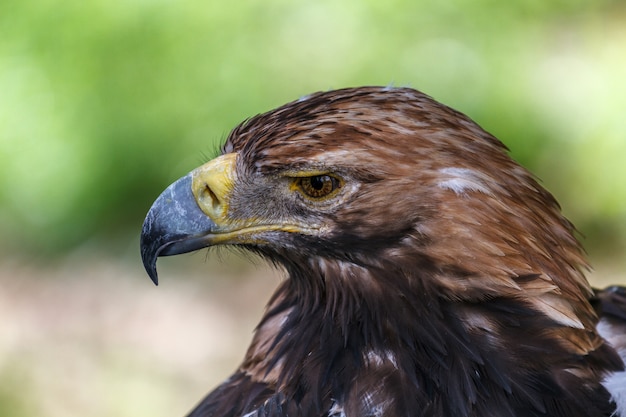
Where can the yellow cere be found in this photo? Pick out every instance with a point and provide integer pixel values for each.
(212, 183)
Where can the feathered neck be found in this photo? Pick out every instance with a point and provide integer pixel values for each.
(338, 332)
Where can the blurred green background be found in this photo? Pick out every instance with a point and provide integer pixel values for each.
(104, 103)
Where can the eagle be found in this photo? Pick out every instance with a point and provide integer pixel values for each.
(427, 273)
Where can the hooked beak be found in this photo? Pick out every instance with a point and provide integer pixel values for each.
(174, 225)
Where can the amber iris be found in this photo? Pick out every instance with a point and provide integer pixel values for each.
(318, 186)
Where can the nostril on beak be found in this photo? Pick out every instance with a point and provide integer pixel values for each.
(209, 199)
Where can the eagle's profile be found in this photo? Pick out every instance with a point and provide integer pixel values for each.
(428, 274)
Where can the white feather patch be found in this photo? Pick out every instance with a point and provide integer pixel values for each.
(379, 358)
(371, 407)
(615, 383)
(336, 410)
(464, 180)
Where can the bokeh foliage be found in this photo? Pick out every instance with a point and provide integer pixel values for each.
(104, 103)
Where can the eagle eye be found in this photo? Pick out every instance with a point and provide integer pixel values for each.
(318, 186)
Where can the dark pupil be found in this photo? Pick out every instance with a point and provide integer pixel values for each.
(318, 182)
